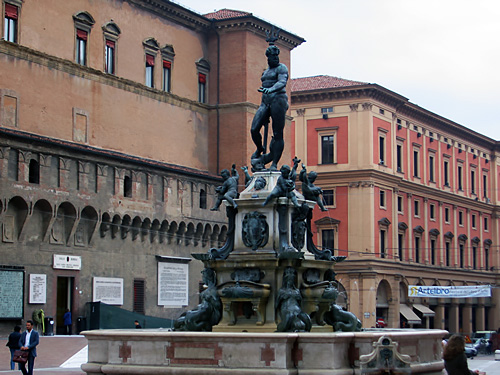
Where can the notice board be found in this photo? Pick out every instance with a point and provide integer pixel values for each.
(11, 294)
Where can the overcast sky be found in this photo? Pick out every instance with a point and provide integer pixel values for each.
(443, 55)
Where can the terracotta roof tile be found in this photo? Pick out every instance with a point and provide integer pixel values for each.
(225, 14)
(321, 82)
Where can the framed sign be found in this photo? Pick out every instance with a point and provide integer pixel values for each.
(173, 284)
(38, 289)
(67, 262)
(108, 290)
(11, 294)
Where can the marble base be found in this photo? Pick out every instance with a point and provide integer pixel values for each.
(163, 352)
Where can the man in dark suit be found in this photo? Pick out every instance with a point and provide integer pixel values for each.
(28, 341)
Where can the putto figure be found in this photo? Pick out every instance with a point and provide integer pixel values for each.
(310, 191)
(229, 189)
(285, 185)
(273, 106)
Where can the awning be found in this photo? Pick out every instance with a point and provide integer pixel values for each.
(409, 315)
(424, 310)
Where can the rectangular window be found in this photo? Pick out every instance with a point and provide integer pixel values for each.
(432, 211)
(446, 173)
(461, 255)
(460, 218)
(447, 253)
(327, 110)
(416, 210)
(473, 182)
(150, 64)
(10, 23)
(382, 243)
(81, 47)
(486, 224)
(417, 249)
(382, 198)
(110, 56)
(485, 186)
(400, 245)
(328, 197)
(459, 177)
(446, 214)
(328, 239)
(139, 296)
(433, 251)
(474, 255)
(167, 71)
(399, 158)
(415, 163)
(431, 168)
(473, 221)
(202, 88)
(400, 204)
(381, 149)
(486, 258)
(327, 149)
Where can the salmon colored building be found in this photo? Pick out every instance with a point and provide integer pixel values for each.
(116, 117)
(413, 200)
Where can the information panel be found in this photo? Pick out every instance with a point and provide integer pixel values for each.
(38, 288)
(11, 294)
(173, 286)
(108, 290)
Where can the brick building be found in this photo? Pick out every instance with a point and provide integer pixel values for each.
(413, 200)
(115, 118)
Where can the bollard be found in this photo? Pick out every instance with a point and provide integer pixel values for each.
(497, 355)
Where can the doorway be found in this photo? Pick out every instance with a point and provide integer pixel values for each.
(64, 302)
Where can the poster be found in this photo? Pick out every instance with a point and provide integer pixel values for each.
(38, 289)
(11, 294)
(108, 290)
(173, 284)
(449, 291)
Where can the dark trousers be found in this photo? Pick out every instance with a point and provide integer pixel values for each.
(12, 363)
(68, 329)
(31, 365)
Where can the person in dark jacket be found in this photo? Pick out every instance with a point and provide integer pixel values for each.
(13, 345)
(28, 341)
(455, 360)
(67, 322)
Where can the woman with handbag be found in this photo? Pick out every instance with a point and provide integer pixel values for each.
(13, 345)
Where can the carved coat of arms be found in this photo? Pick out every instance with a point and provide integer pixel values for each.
(255, 231)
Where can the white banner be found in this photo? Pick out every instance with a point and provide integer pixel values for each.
(449, 291)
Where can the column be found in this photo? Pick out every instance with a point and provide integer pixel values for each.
(467, 319)
(453, 318)
(480, 321)
(439, 317)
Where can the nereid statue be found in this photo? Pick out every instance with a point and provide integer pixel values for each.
(228, 190)
(285, 185)
(311, 192)
(208, 313)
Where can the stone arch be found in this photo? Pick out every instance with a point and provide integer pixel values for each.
(145, 228)
(154, 232)
(383, 299)
(403, 291)
(86, 226)
(172, 230)
(40, 221)
(222, 236)
(214, 236)
(125, 226)
(15, 218)
(105, 224)
(181, 232)
(116, 225)
(63, 223)
(163, 235)
(189, 234)
(136, 227)
(206, 235)
(197, 234)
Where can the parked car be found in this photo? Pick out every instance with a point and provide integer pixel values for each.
(470, 351)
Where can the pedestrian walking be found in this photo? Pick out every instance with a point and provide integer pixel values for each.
(28, 341)
(13, 345)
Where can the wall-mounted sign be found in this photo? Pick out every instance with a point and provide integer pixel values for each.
(38, 288)
(11, 294)
(67, 262)
(173, 285)
(108, 290)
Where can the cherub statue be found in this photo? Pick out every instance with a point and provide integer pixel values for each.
(285, 185)
(229, 189)
(311, 192)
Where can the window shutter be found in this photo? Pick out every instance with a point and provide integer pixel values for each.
(81, 34)
(11, 11)
(150, 60)
(167, 64)
(110, 43)
(139, 294)
(202, 78)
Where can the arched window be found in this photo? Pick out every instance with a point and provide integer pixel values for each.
(203, 199)
(34, 172)
(127, 187)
